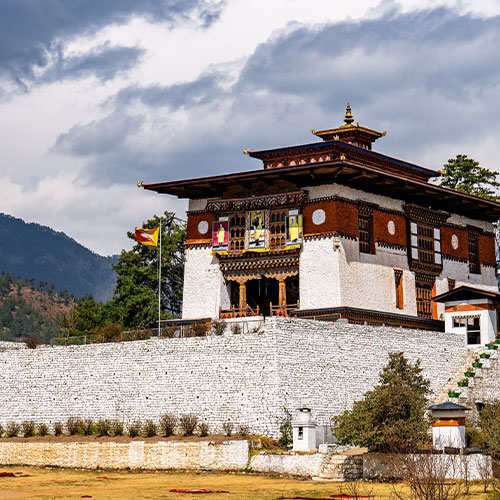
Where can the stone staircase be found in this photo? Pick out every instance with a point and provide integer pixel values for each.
(479, 362)
(341, 468)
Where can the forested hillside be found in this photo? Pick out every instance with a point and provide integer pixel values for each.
(28, 250)
(29, 310)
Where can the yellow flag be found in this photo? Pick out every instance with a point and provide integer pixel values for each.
(147, 236)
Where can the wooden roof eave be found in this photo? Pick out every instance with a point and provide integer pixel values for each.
(368, 179)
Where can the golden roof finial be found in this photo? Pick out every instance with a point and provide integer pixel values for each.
(348, 115)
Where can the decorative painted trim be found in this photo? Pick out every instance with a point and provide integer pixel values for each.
(196, 212)
(360, 316)
(392, 246)
(320, 236)
(421, 214)
(427, 278)
(331, 198)
(453, 258)
(295, 198)
(207, 244)
(489, 264)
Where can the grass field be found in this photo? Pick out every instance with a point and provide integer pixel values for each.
(71, 484)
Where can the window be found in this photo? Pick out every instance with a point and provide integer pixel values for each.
(472, 326)
(277, 228)
(424, 299)
(474, 266)
(365, 228)
(451, 284)
(237, 227)
(398, 281)
(425, 243)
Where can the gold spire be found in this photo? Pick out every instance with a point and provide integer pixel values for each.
(348, 115)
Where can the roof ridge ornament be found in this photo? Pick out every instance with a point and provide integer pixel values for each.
(348, 115)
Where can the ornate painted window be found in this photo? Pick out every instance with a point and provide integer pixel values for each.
(277, 228)
(425, 244)
(398, 281)
(237, 230)
(424, 299)
(365, 228)
(473, 242)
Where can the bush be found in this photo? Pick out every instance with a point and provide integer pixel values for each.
(244, 431)
(73, 425)
(86, 427)
(103, 427)
(109, 333)
(42, 430)
(28, 427)
(150, 428)
(32, 342)
(286, 431)
(12, 429)
(392, 415)
(489, 422)
(167, 424)
(58, 429)
(203, 428)
(188, 424)
(218, 326)
(199, 329)
(2, 431)
(227, 427)
(117, 428)
(134, 429)
(236, 329)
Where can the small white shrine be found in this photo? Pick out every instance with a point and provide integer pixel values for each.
(471, 311)
(304, 431)
(448, 426)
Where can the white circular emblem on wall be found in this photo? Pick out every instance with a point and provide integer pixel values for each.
(454, 241)
(203, 227)
(319, 216)
(391, 227)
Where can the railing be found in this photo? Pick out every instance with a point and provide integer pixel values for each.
(283, 309)
(238, 312)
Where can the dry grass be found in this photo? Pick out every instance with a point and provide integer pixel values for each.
(60, 484)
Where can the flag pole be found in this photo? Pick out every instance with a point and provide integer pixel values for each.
(159, 289)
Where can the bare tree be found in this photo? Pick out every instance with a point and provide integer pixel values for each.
(485, 471)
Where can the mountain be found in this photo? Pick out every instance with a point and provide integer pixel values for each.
(29, 250)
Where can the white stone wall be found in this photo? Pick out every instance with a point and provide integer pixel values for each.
(247, 379)
(204, 287)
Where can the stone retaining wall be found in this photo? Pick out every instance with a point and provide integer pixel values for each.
(247, 379)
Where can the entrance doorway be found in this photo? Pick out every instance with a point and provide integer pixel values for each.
(264, 291)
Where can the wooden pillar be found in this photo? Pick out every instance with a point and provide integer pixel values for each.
(282, 292)
(243, 296)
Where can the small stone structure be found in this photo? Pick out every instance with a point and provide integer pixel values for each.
(304, 431)
(448, 426)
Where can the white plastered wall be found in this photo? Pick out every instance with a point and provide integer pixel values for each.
(204, 287)
(319, 284)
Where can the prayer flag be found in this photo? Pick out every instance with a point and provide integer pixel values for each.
(147, 236)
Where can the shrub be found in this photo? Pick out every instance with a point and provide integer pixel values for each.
(244, 430)
(12, 429)
(2, 431)
(117, 428)
(73, 425)
(167, 424)
(32, 342)
(42, 430)
(134, 429)
(203, 428)
(28, 427)
(58, 429)
(286, 431)
(218, 326)
(150, 428)
(169, 332)
(392, 415)
(109, 333)
(86, 427)
(199, 329)
(103, 427)
(236, 329)
(188, 424)
(227, 427)
(489, 421)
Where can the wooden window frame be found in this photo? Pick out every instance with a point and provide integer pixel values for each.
(398, 282)
(366, 235)
(423, 294)
(425, 244)
(473, 253)
(236, 244)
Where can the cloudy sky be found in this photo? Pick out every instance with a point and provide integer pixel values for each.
(96, 95)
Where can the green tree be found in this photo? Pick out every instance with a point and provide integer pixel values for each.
(489, 421)
(466, 175)
(135, 304)
(88, 316)
(392, 415)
